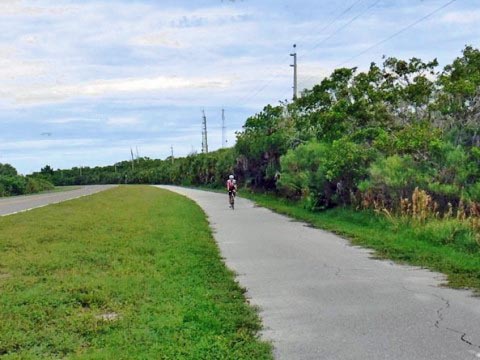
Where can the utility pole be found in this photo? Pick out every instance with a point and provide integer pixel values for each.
(171, 148)
(138, 156)
(294, 54)
(204, 134)
(224, 129)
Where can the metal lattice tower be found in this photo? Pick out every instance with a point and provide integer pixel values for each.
(224, 129)
(204, 134)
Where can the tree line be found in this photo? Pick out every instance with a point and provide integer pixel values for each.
(383, 138)
(11, 183)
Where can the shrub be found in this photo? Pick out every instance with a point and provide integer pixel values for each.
(391, 179)
(324, 174)
(35, 185)
(13, 185)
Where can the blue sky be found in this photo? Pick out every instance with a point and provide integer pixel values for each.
(85, 81)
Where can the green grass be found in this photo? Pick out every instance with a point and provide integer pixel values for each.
(130, 273)
(446, 246)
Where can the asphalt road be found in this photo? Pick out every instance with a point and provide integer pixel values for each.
(14, 204)
(321, 298)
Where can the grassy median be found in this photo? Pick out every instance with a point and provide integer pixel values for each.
(441, 245)
(129, 273)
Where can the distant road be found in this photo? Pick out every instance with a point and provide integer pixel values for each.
(14, 204)
(322, 299)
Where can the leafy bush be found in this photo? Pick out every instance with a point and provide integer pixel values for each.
(265, 138)
(473, 192)
(324, 174)
(392, 178)
(420, 140)
(35, 185)
(13, 184)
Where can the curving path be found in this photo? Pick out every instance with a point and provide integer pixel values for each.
(14, 204)
(321, 298)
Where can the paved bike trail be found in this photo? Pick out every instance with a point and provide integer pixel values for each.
(321, 298)
(14, 204)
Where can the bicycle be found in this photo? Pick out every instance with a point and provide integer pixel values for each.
(231, 198)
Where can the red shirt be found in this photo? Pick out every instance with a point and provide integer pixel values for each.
(230, 185)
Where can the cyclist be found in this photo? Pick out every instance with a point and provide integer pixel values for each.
(232, 189)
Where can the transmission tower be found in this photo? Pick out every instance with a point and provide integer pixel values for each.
(133, 160)
(204, 134)
(224, 129)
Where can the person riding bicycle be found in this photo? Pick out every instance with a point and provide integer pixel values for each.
(231, 187)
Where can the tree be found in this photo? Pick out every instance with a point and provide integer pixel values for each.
(8, 170)
(266, 136)
(458, 98)
(47, 170)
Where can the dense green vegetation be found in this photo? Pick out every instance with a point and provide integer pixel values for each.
(401, 139)
(13, 184)
(130, 273)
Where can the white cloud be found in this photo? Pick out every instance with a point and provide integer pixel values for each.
(311, 73)
(18, 8)
(122, 121)
(99, 88)
(70, 121)
(211, 28)
(12, 68)
(462, 17)
(45, 144)
(157, 39)
(56, 62)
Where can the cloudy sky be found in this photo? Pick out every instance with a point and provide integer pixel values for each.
(83, 81)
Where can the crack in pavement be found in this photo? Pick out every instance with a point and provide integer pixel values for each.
(440, 311)
(463, 335)
(440, 317)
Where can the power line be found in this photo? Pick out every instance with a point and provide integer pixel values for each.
(341, 28)
(423, 18)
(398, 32)
(345, 25)
(344, 12)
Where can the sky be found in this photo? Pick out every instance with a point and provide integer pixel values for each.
(84, 81)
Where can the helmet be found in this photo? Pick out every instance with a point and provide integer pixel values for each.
(231, 177)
